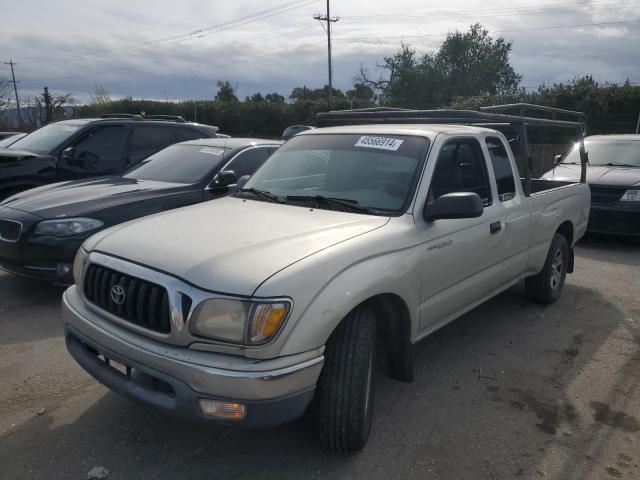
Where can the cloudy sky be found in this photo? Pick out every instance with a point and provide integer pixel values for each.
(179, 49)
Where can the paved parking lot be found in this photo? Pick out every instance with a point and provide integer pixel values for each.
(511, 390)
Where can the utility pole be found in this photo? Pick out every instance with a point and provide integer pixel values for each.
(15, 89)
(48, 106)
(327, 18)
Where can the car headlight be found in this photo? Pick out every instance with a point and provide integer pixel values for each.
(78, 264)
(631, 196)
(239, 321)
(67, 227)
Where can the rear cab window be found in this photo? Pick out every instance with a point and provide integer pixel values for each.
(502, 169)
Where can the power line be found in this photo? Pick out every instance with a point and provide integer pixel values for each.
(15, 88)
(329, 19)
(194, 34)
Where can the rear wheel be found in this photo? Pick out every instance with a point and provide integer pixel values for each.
(346, 384)
(546, 286)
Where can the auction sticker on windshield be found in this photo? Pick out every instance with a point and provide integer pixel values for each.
(383, 143)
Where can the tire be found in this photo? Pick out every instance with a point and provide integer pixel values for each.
(546, 286)
(346, 384)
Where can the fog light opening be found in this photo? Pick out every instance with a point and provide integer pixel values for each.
(225, 410)
(64, 269)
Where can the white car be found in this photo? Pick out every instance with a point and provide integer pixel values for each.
(244, 309)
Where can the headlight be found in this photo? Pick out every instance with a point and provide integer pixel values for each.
(67, 227)
(239, 321)
(78, 264)
(631, 196)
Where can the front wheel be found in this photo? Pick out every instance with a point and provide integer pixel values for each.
(546, 286)
(345, 387)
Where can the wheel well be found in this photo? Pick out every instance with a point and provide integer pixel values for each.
(566, 230)
(394, 334)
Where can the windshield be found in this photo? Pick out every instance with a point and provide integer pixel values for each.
(177, 164)
(47, 138)
(608, 152)
(374, 171)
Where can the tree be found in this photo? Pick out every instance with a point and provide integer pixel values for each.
(100, 95)
(46, 107)
(274, 98)
(226, 92)
(471, 63)
(5, 92)
(361, 96)
(256, 97)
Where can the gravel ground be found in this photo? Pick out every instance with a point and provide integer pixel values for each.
(510, 390)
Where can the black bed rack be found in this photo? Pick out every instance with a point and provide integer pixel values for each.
(520, 121)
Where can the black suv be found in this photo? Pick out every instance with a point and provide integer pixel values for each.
(89, 147)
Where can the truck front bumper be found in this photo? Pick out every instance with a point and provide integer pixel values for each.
(178, 380)
(615, 220)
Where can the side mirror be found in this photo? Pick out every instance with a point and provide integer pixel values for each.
(243, 180)
(223, 179)
(69, 153)
(454, 205)
(557, 159)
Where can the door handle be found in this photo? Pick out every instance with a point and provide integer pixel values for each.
(495, 227)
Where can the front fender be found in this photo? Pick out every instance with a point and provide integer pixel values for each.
(323, 294)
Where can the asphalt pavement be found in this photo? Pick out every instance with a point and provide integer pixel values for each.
(511, 390)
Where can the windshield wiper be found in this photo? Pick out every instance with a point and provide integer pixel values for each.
(341, 202)
(262, 194)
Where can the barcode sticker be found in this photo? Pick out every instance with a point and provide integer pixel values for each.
(383, 143)
(212, 151)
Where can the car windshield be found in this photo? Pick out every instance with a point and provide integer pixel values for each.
(376, 172)
(178, 164)
(47, 138)
(625, 153)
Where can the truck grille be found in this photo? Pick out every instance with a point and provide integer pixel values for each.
(10, 231)
(137, 301)
(605, 195)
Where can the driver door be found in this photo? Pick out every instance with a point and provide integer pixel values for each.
(458, 254)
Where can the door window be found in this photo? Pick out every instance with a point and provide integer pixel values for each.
(101, 150)
(247, 162)
(148, 140)
(461, 168)
(502, 169)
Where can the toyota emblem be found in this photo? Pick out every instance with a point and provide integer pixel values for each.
(117, 295)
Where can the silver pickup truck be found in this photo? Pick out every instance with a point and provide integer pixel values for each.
(349, 242)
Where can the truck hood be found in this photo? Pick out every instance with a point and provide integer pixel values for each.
(612, 176)
(84, 197)
(230, 245)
